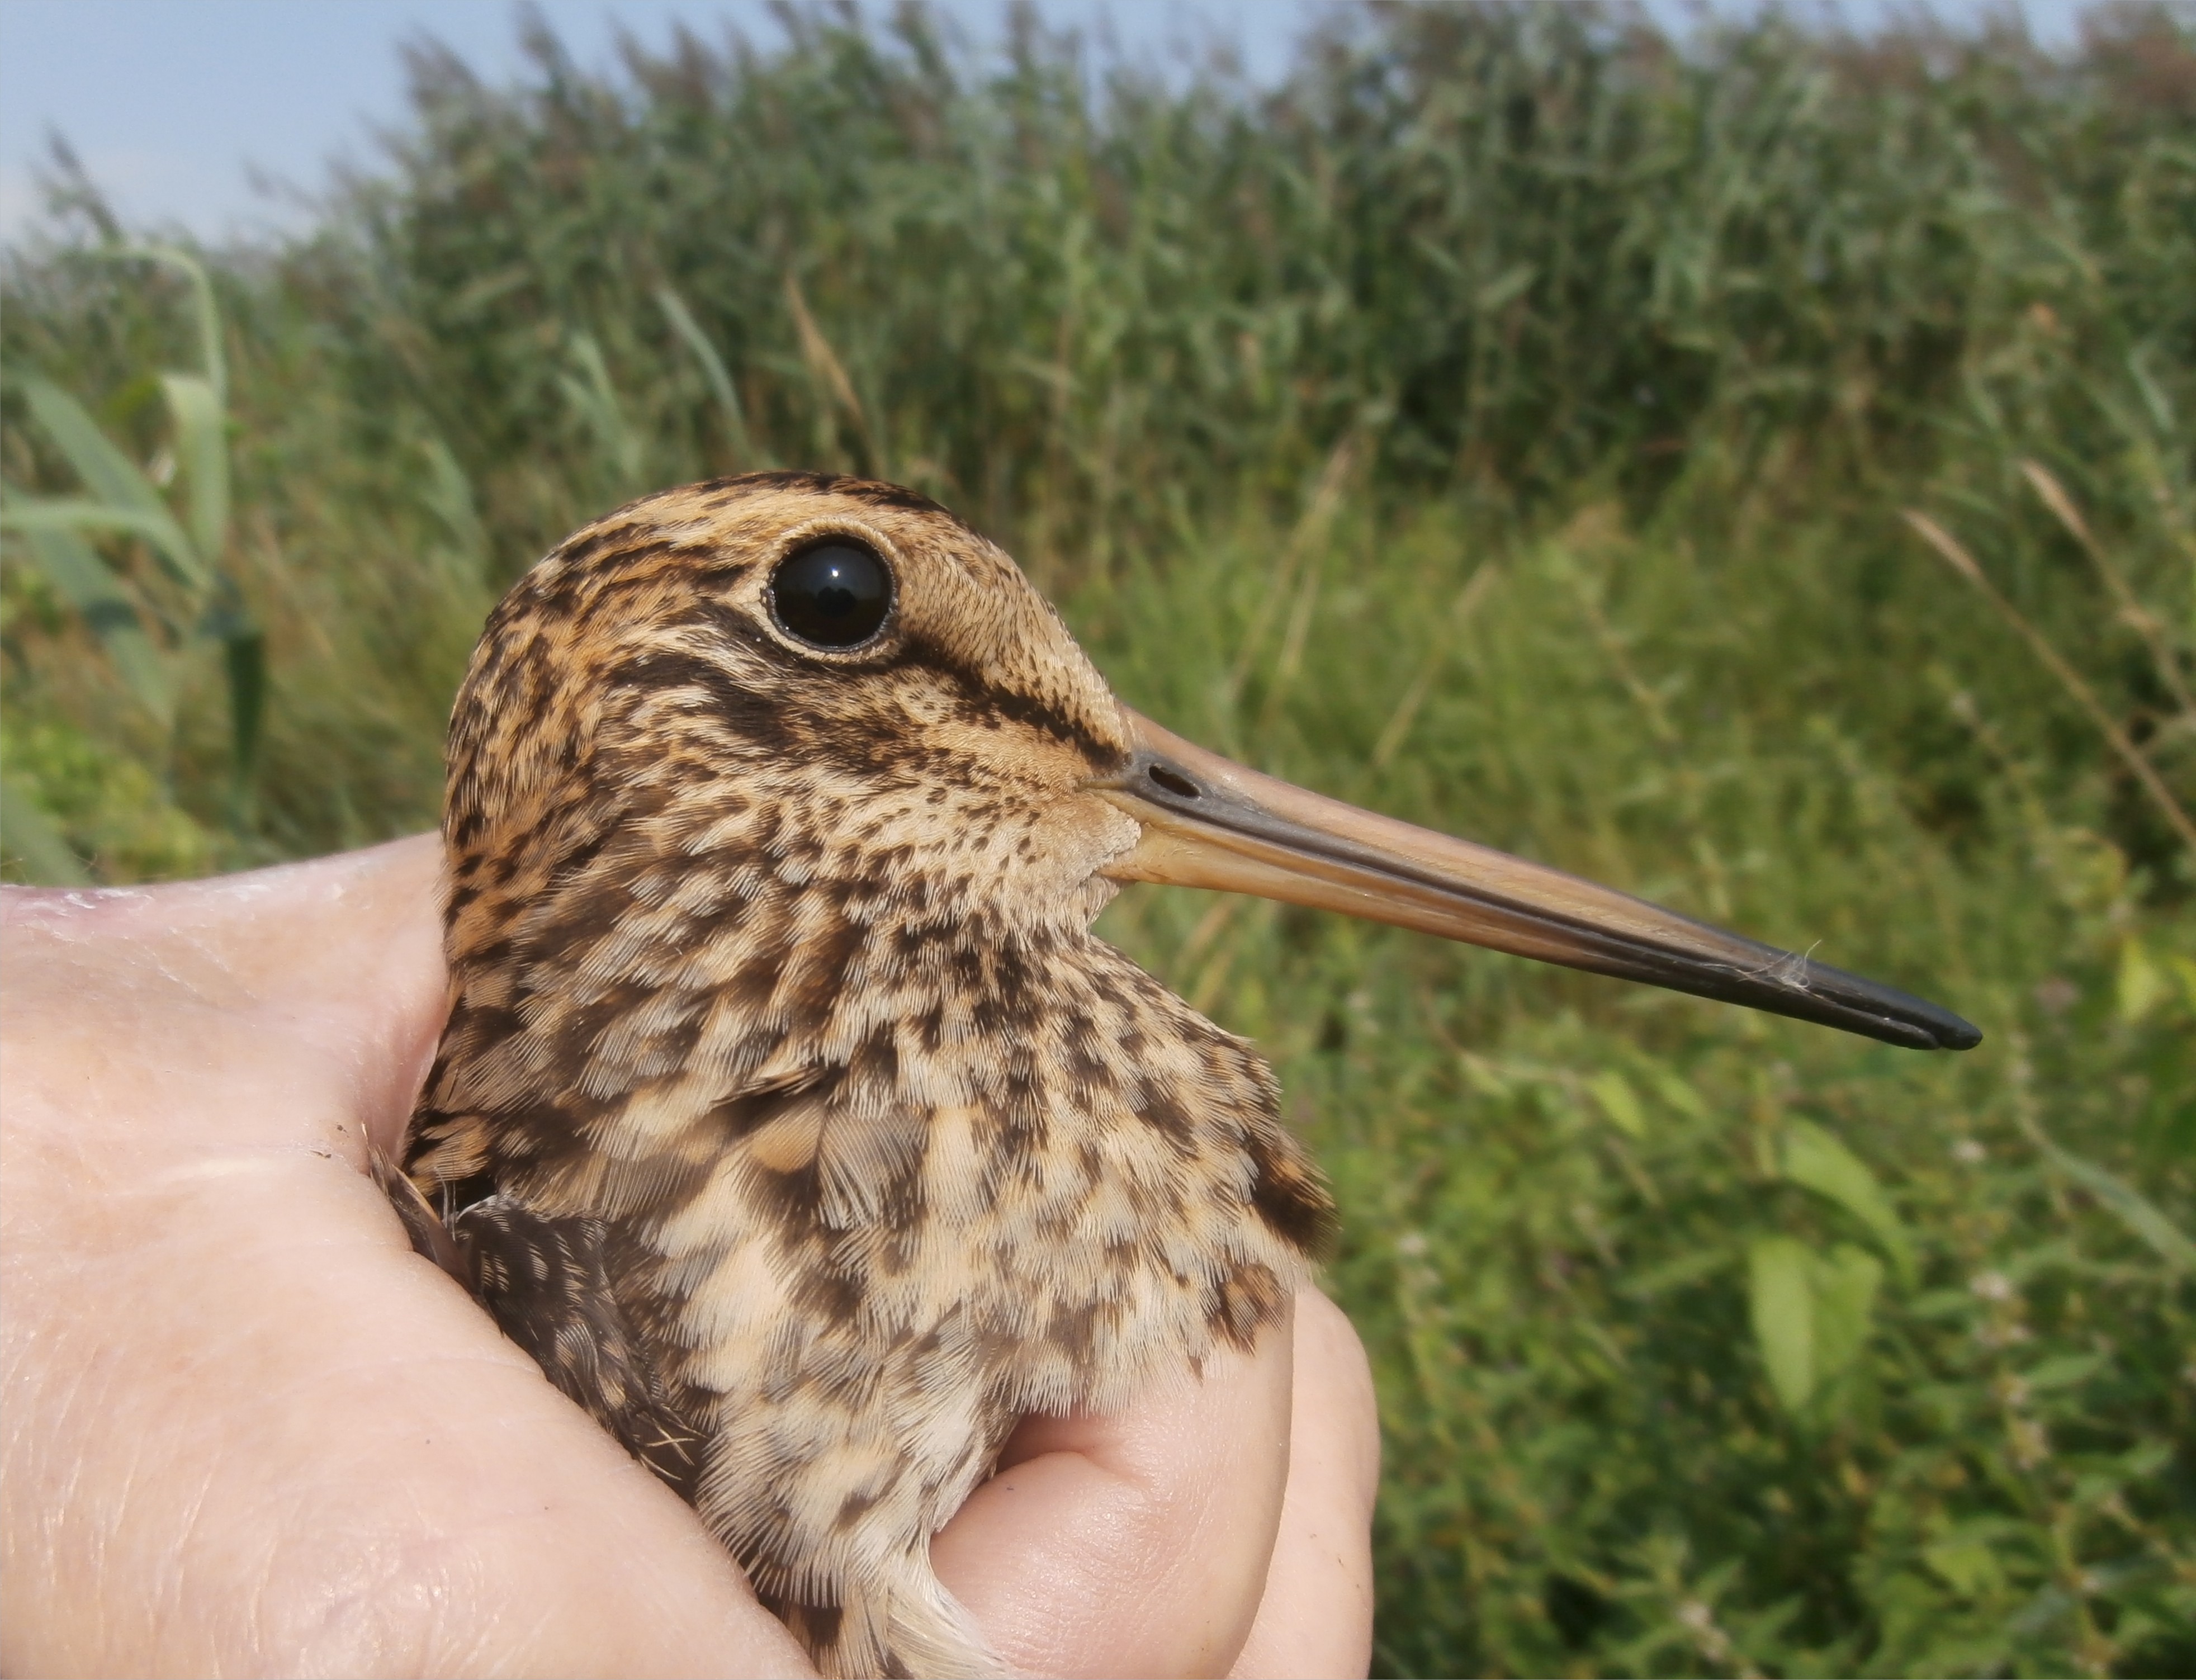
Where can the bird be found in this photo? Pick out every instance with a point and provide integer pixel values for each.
(788, 1112)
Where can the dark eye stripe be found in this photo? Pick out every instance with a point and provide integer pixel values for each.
(835, 594)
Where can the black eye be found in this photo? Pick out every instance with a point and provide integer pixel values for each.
(834, 595)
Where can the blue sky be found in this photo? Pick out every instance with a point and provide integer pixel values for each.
(176, 105)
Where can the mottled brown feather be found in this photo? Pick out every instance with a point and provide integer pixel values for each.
(788, 1113)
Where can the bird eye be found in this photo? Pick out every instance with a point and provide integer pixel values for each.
(833, 595)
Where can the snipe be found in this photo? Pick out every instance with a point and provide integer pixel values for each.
(789, 1113)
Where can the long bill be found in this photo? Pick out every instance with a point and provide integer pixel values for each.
(1210, 821)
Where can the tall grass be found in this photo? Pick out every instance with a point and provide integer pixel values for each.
(1510, 422)
(1567, 1201)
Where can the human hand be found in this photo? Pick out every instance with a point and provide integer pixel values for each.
(247, 1429)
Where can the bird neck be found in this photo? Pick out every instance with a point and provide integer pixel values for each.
(677, 953)
(693, 1034)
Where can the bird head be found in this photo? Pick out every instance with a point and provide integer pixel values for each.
(838, 673)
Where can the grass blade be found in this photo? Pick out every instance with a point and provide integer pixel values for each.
(1398, 727)
(2139, 617)
(244, 661)
(1813, 1159)
(587, 387)
(2070, 679)
(113, 478)
(205, 312)
(2128, 1204)
(829, 372)
(713, 370)
(82, 579)
(1781, 1303)
(29, 837)
(202, 445)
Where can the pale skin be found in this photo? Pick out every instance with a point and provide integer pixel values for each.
(245, 1429)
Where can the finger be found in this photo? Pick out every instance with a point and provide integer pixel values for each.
(330, 971)
(1316, 1616)
(245, 1427)
(1137, 1544)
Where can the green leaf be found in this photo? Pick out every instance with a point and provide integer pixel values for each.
(1820, 1163)
(450, 498)
(229, 621)
(82, 579)
(2186, 969)
(2062, 1371)
(202, 445)
(1677, 1091)
(2132, 1208)
(2142, 982)
(1781, 1301)
(110, 474)
(213, 361)
(1503, 287)
(586, 386)
(2144, 1459)
(1672, 1275)
(1844, 1282)
(1619, 1102)
(77, 513)
(244, 659)
(713, 370)
(1969, 1567)
(31, 836)
(127, 497)
(1812, 1313)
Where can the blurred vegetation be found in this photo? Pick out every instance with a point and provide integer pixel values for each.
(1755, 471)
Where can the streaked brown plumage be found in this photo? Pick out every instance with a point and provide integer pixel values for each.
(789, 1113)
